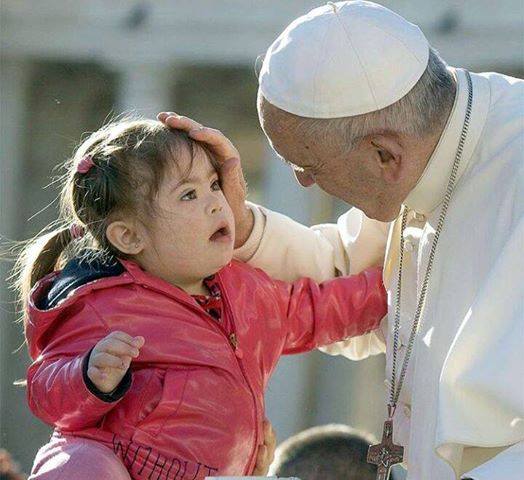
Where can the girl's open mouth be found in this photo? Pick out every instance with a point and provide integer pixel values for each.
(222, 234)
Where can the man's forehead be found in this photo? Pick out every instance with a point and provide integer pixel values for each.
(290, 145)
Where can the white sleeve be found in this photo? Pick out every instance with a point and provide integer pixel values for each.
(507, 465)
(287, 250)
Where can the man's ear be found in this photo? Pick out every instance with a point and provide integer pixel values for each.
(389, 155)
(124, 237)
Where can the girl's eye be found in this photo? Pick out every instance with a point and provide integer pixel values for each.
(191, 195)
(216, 185)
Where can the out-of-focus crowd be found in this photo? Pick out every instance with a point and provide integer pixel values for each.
(9, 469)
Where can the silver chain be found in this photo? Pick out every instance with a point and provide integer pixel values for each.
(394, 392)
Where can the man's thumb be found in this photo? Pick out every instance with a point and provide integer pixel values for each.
(230, 179)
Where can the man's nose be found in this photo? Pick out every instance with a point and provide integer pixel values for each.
(304, 179)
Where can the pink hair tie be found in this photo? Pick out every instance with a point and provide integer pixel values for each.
(77, 231)
(85, 164)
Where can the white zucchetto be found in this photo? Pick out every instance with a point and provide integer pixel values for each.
(343, 59)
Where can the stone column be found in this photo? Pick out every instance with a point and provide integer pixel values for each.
(14, 83)
(15, 76)
(289, 399)
(316, 389)
(146, 88)
(282, 191)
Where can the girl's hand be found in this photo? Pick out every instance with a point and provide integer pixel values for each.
(266, 452)
(230, 173)
(110, 359)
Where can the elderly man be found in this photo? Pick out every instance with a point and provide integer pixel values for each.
(354, 99)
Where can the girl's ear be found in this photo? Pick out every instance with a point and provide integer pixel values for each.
(124, 237)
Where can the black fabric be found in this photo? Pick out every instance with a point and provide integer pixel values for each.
(78, 272)
(110, 397)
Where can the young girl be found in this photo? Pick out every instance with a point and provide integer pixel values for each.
(148, 341)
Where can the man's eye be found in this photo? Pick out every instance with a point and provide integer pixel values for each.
(216, 185)
(191, 195)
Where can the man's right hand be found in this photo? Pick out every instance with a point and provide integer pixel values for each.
(110, 359)
(231, 176)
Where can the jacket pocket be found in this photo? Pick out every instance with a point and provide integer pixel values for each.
(163, 402)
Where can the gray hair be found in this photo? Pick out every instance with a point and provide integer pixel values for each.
(419, 113)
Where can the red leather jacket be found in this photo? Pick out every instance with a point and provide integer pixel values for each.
(196, 404)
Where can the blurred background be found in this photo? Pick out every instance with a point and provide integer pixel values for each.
(67, 66)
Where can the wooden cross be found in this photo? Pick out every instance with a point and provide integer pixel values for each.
(386, 453)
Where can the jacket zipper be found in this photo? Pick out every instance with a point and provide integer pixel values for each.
(234, 343)
(233, 340)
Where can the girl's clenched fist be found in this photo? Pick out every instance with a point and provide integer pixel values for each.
(110, 359)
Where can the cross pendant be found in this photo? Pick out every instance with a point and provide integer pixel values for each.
(386, 453)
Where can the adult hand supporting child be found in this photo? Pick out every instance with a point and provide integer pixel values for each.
(110, 359)
(266, 452)
(231, 176)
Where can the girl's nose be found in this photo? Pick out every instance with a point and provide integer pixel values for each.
(304, 179)
(214, 207)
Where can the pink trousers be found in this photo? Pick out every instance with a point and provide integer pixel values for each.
(74, 458)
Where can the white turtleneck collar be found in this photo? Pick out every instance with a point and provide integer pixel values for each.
(430, 190)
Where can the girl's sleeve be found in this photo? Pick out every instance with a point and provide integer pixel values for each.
(288, 251)
(58, 389)
(318, 314)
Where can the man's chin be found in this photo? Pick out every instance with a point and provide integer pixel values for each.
(383, 215)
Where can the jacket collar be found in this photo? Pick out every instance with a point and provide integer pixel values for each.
(76, 273)
(149, 281)
(429, 192)
(81, 280)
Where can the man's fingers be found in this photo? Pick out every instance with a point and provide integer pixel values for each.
(231, 165)
(232, 181)
(218, 143)
(181, 123)
(163, 115)
(215, 139)
(266, 452)
(270, 439)
(262, 464)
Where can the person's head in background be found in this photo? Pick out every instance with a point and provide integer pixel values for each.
(329, 452)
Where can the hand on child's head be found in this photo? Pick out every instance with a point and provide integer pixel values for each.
(111, 358)
(230, 170)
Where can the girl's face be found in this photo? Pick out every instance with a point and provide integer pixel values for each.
(191, 234)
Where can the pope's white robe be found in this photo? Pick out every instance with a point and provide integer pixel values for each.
(461, 411)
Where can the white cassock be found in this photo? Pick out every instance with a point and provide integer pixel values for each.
(461, 410)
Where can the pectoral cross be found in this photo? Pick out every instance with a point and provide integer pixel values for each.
(386, 453)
